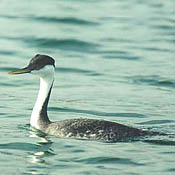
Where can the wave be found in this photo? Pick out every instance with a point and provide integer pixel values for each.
(97, 113)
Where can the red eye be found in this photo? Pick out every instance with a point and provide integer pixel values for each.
(36, 66)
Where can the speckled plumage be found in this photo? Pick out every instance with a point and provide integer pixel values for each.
(86, 128)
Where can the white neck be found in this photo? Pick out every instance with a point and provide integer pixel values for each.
(46, 80)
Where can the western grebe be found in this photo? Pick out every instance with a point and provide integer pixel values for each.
(85, 128)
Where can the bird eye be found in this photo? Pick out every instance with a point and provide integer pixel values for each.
(37, 66)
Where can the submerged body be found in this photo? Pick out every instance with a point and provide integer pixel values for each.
(44, 67)
(86, 128)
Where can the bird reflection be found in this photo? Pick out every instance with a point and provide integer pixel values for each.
(44, 148)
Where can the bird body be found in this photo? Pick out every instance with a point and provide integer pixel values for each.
(85, 128)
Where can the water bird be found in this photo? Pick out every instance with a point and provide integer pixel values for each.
(81, 128)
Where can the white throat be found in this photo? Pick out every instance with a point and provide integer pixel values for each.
(46, 75)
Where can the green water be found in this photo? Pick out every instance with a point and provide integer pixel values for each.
(115, 61)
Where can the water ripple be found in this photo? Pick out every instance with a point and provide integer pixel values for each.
(118, 55)
(164, 27)
(108, 160)
(8, 16)
(6, 69)
(154, 49)
(20, 146)
(153, 80)
(39, 147)
(161, 142)
(97, 113)
(7, 52)
(153, 122)
(66, 20)
(62, 44)
(73, 70)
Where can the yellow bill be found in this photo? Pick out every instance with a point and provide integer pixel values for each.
(20, 71)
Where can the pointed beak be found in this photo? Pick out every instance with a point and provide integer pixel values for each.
(20, 71)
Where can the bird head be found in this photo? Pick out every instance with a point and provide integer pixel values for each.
(41, 65)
